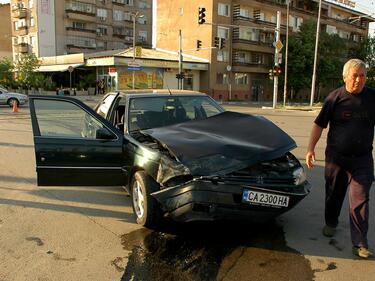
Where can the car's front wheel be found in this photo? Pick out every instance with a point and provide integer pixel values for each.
(12, 101)
(146, 208)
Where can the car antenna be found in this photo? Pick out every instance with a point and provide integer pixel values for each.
(170, 93)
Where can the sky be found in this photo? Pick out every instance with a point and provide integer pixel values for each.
(366, 6)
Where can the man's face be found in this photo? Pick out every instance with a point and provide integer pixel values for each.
(355, 80)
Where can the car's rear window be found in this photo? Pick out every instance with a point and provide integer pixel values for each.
(152, 112)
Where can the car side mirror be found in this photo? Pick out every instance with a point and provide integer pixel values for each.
(104, 134)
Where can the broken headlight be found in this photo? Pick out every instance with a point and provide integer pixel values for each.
(299, 176)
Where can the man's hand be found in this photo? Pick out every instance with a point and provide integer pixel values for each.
(310, 159)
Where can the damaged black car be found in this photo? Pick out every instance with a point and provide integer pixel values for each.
(178, 154)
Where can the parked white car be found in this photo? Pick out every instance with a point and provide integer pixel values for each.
(10, 98)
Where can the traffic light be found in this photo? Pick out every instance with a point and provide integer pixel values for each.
(222, 43)
(270, 74)
(217, 42)
(180, 75)
(201, 15)
(256, 14)
(276, 70)
(199, 44)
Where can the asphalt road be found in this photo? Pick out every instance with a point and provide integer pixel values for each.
(89, 233)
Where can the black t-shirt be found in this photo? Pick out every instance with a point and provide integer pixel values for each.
(351, 119)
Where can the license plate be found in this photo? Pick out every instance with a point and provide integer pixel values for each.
(266, 199)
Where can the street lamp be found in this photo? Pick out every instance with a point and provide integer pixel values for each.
(315, 55)
(135, 15)
(286, 52)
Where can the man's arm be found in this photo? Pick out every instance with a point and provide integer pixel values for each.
(316, 132)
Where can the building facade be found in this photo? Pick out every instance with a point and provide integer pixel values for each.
(5, 32)
(239, 68)
(59, 27)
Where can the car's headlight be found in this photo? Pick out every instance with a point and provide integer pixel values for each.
(299, 176)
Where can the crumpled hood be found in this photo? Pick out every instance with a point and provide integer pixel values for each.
(223, 143)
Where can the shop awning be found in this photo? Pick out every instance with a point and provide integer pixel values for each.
(57, 67)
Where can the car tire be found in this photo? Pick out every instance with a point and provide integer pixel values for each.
(12, 101)
(145, 207)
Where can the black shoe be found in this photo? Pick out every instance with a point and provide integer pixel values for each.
(329, 231)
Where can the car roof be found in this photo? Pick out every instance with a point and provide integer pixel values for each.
(159, 92)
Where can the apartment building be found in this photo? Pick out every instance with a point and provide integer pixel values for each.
(239, 69)
(5, 32)
(60, 27)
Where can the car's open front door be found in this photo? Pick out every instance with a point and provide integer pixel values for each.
(74, 145)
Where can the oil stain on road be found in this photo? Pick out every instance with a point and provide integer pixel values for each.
(213, 251)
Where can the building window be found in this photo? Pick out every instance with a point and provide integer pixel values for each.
(223, 10)
(81, 7)
(102, 30)
(31, 4)
(143, 5)
(102, 14)
(223, 32)
(221, 78)
(142, 36)
(244, 13)
(81, 42)
(222, 56)
(19, 24)
(241, 79)
(32, 40)
(32, 21)
(118, 15)
(101, 45)
(78, 25)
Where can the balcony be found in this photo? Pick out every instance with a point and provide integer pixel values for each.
(20, 13)
(22, 30)
(119, 35)
(92, 31)
(118, 2)
(22, 48)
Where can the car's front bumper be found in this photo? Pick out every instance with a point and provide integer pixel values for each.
(206, 200)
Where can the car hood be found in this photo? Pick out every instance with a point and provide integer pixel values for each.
(223, 143)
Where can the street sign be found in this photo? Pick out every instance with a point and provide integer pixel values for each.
(278, 45)
(134, 64)
(70, 68)
(133, 68)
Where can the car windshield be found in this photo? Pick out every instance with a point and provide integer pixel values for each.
(152, 112)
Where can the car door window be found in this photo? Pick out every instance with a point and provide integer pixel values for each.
(105, 105)
(58, 118)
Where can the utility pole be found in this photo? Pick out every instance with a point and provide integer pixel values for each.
(315, 55)
(276, 78)
(286, 52)
(180, 81)
(135, 16)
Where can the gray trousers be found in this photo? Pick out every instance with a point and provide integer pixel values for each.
(357, 175)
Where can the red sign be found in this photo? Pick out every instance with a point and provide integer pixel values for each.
(112, 70)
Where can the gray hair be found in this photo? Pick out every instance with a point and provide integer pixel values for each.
(353, 63)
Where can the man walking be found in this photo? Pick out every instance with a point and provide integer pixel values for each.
(350, 113)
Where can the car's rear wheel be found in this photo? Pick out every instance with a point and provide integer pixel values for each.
(12, 101)
(146, 208)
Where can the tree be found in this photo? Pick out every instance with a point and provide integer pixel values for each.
(6, 73)
(331, 51)
(301, 57)
(367, 54)
(25, 68)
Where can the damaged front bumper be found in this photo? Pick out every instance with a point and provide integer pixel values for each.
(201, 199)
